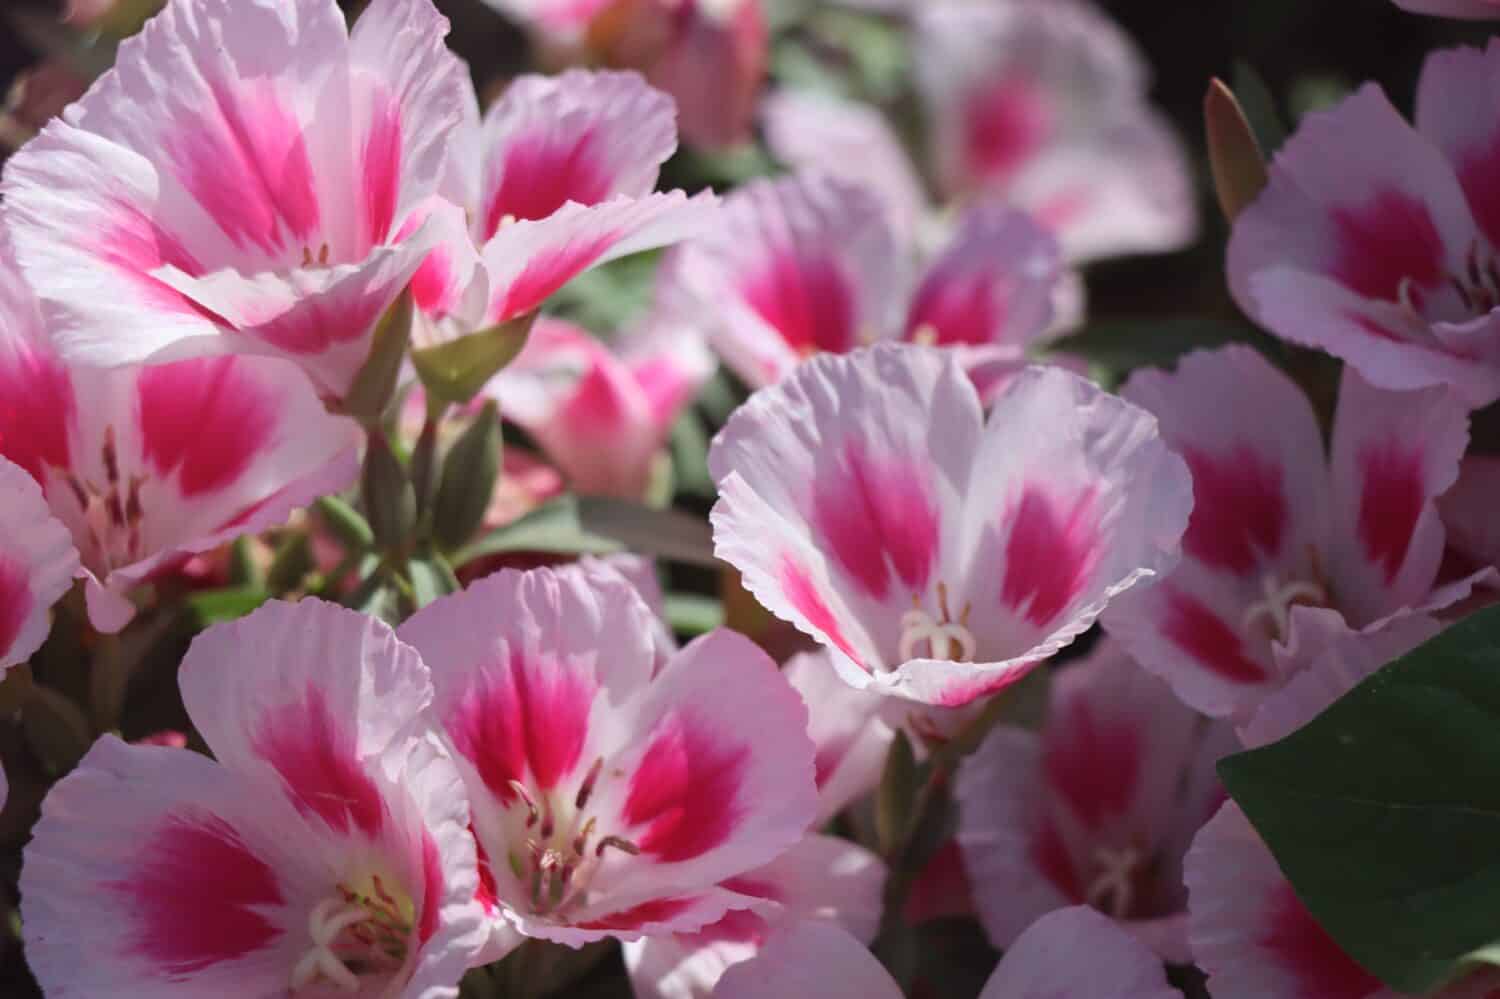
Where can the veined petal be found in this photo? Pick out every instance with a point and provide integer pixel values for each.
(529, 260)
(195, 880)
(37, 564)
(1467, 511)
(1393, 454)
(994, 284)
(1249, 930)
(583, 137)
(800, 265)
(849, 728)
(1075, 499)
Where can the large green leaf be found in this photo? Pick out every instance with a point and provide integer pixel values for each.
(554, 528)
(1384, 812)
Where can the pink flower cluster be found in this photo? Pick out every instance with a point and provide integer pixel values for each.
(200, 262)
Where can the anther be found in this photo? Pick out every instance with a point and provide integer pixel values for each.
(587, 787)
(619, 843)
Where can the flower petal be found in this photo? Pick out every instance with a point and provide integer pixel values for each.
(809, 959)
(37, 563)
(799, 264)
(1393, 454)
(1077, 951)
(583, 137)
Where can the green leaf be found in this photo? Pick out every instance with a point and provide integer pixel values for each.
(227, 604)
(1260, 107)
(293, 561)
(455, 371)
(693, 614)
(554, 528)
(1384, 812)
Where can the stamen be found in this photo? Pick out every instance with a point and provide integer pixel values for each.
(352, 932)
(925, 335)
(525, 795)
(1278, 603)
(619, 843)
(587, 787)
(943, 637)
(1115, 883)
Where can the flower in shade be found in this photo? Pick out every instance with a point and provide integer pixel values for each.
(610, 797)
(1283, 533)
(37, 564)
(325, 849)
(1376, 240)
(1254, 937)
(602, 413)
(558, 176)
(1072, 952)
(146, 465)
(938, 556)
(710, 55)
(809, 264)
(242, 181)
(1471, 9)
(1097, 809)
(1044, 104)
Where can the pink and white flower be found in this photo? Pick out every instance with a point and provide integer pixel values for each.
(1044, 103)
(556, 178)
(1071, 952)
(939, 557)
(1255, 938)
(1468, 512)
(807, 264)
(241, 181)
(821, 878)
(1281, 533)
(1471, 9)
(610, 799)
(37, 564)
(603, 415)
(1383, 252)
(1098, 809)
(710, 55)
(146, 465)
(326, 851)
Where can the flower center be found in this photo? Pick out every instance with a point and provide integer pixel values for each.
(111, 512)
(1477, 286)
(561, 854)
(1113, 889)
(941, 637)
(1275, 609)
(357, 931)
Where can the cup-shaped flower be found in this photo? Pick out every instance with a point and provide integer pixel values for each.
(1281, 533)
(37, 563)
(866, 500)
(809, 264)
(1045, 104)
(1072, 952)
(146, 464)
(557, 177)
(241, 181)
(325, 850)
(1376, 240)
(602, 414)
(1098, 809)
(611, 798)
